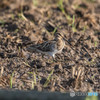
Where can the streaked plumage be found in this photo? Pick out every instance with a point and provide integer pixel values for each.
(50, 47)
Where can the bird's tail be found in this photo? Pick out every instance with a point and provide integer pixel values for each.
(33, 49)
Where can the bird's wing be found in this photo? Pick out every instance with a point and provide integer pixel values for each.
(46, 46)
(43, 47)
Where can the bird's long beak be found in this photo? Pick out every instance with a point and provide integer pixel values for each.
(64, 37)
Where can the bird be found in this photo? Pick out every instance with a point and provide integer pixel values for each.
(50, 47)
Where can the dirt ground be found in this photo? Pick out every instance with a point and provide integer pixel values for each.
(26, 22)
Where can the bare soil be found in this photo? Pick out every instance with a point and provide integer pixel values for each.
(26, 22)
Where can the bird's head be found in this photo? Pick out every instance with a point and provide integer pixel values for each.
(59, 35)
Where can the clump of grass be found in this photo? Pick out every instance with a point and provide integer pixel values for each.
(33, 81)
(2, 22)
(35, 2)
(21, 15)
(32, 84)
(34, 78)
(54, 31)
(12, 16)
(60, 3)
(95, 43)
(84, 28)
(26, 64)
(73, 24)
(91, 98)
(16, 30)
(48, 78)
(61, 6)
(11, 79)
